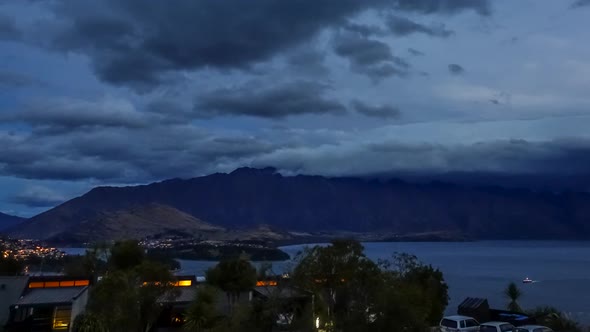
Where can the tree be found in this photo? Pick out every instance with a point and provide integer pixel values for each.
(554, 319)
(127, 297)
(353, 293)
(88, 322)
(232, 276)
(513, 293)
(126, 255)
(10, 266)
(411, 272)
(202, 315)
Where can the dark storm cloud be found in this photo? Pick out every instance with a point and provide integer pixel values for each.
(415, 52)
(506, 157)
(456, 69)
(402, 26)
(376, 111)
(279, 101)
(8, 28)
(308, 61)
(362, 51)
(141, 43)
(369, 56)
(68, 114)
(131, 41)
(364, 30)
(580, 3)
(482, 7)
(36, 196)
(125, 155)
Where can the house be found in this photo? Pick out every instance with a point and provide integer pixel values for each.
(481, 311)
(11, 289)
(48, 304)
(173, 307)
(294, 307)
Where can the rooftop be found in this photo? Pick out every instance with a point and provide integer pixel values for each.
(37, 296)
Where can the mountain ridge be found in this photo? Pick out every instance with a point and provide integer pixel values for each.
(247, 197)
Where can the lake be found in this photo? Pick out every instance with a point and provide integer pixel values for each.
(484, 268)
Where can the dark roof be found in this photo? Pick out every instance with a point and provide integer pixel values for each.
(473, 303)
(50, 295)
(10, 290)
(280, 292)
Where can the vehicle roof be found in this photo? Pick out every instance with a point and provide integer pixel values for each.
(457, 317)
(495, 323)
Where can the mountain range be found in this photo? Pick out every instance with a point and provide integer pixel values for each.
(8, 221)
(247, 198)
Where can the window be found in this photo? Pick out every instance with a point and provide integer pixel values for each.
(506, 327)
(462, 324)
(61, 318)
(448, 323)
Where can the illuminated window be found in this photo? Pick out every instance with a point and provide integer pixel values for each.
(36, 285)
(183, 283)
(261, 283)
(66, 283)
(51, 284)
(61, 318)
(82, 282)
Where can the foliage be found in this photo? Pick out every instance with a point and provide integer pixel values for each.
(513, 293)
(202, 315)
(425, 280)
(233, 277)
(555, 319)
(88, 322)
(10, 266)
(355, 294)
(126, 255)
(126, 298)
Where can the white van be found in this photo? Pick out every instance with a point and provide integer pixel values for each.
(458, 324)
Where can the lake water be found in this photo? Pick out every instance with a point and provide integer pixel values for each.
(484, 268)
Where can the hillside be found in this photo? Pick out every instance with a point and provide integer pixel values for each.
(137, 222)
(8, 221)
(249, 197)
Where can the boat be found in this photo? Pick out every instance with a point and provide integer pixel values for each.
(527, 280)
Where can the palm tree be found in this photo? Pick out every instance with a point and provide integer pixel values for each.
(513, 293)
(202, 314)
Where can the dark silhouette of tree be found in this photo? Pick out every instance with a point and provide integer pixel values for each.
(10, 266)
(555, 319)
(126, 298)
(513, 293)
(202, 315)
(353, 293)
(232, 276)
(126, 254)
(88, 322)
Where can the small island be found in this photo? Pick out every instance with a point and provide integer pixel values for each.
(192, 249)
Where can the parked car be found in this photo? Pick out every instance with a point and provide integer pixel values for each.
(496, 327)
(458, 324)
(532, 328)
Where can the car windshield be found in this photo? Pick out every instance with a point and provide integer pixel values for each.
(506, 327)
(487, 328)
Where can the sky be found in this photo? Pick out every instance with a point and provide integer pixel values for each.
(122, 92)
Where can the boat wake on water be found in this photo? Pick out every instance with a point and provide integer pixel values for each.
(527, 280)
